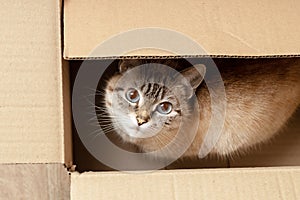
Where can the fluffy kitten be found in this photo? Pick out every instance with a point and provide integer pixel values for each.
(146, 112)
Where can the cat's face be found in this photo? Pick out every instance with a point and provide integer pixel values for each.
(142, 110)
(148, 103)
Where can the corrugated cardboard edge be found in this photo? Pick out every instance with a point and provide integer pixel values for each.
(64, 91)
(181, 56)
(239, 184)
(66, 101)
(66, 117)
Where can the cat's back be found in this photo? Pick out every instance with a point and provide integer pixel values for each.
(273, 85)
(260, 97)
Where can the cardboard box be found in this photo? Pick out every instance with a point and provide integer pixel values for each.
(245, 29)
(231, 28)
(32, 111)
(35, 135)
(35, 98)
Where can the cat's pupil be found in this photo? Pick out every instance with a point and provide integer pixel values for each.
(133, 94)
(165, 108)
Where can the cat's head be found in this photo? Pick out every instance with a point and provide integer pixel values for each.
(147, 103)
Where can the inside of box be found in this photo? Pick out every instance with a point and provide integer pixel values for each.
(282, 150)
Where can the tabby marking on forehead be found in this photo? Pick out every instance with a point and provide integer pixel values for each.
(154, 90)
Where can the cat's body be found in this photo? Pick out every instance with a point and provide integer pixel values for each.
(260, 98)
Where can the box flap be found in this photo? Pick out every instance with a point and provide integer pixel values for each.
(243, 184)
(31, 101)
(34, 181)
(230, 28)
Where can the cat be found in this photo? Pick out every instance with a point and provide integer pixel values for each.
(146, 113)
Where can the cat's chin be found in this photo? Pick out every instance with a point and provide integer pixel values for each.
(129, 136)
(133, 136)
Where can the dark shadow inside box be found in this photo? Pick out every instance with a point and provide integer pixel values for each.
(282, 150)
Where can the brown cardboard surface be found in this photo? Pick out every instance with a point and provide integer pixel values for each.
(243, 28)
(252, 183)
(34, 181)
(31, 101)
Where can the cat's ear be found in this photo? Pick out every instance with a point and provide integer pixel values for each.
(123, 66)
(127, 64)
(194, 75)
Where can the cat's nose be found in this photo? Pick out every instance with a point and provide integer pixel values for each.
(142, 117)
(142, 120)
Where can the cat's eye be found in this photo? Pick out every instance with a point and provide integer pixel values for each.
(164, 108)
(132, 95)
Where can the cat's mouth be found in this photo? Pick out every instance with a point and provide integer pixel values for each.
(140, 132)
(137, 128)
